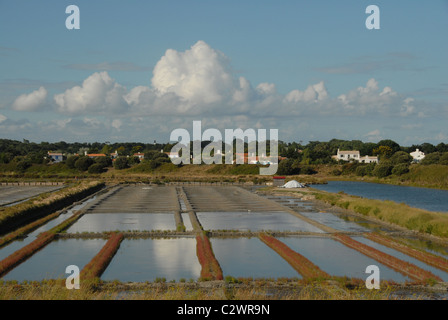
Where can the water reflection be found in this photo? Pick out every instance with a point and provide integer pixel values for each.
(336, 259)
(51, 261)
(254, 221)
(249, 257)
(140, 260)
(100, 222)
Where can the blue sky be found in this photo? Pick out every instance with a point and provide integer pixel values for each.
(136, 70)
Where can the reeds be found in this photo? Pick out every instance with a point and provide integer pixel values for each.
(99, 263)
(404, 267)
(301, 264)
(211, 269)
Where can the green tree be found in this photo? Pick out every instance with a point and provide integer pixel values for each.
(96, 168)
(384, 152)
(401, 157)
(400, 169)
(121, 163)
(83, 163)
(383, 170)
(70, 162)
(22, 165)
(432, 158)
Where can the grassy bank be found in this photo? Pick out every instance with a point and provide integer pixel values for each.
(398, 214)
(44, 204)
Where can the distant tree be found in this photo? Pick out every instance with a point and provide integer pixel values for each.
(22, 165)
(444, 159)
(83, 163)
(70, 162)
(400, 157)
(384, 152)
(432, 158)
(96, 168)
(383, 169)
(400, 169)
(121, 163)
(285, 167)
(104, 161)
(442, 147)
(389, 143)
(428, 148)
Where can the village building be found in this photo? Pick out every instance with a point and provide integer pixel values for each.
(417, 155)
(368, 159)
(139, 155)
(55, 156)
(347, 155)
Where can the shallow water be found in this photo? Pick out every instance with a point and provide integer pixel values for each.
(140, 260)
(20, 243)
(253, 221)
(336, 259)
(443, 275)
(99, 222)
(51, 261)
(249, 257)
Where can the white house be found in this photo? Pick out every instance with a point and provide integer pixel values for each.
(417, 155)
(368, 159)
(55, 156)
(348, 155)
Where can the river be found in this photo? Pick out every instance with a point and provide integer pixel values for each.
(424, 198)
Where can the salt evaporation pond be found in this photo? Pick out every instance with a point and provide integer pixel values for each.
(336, 259)
(443, 275)
(254, 221)
(53, 259)
(140, 260)
(20, 243)
(249, 257)
(100, 222)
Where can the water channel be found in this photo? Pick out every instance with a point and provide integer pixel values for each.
(424, 198)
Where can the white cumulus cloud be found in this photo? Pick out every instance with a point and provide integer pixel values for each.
(98, 93)
(200, 74)
(31, 101)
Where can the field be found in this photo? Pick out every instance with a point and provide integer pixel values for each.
(149, 241)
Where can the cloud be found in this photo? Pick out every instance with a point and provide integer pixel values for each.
(116, 123)
(2, 118)
(200, 84)
(31, 101)
(199, 75)
(98, 93)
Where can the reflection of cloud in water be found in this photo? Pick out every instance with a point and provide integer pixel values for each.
(146, 259)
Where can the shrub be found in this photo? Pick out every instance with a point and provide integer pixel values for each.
(83, 163)
(382, 170)
(401, 157)
(432, 158)
(400, 169)
(70, 162)
(96, 168)
(307, 170)
(22, 165)
(121, 163)
(444, 159)
(104, 161)
(336, 172)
